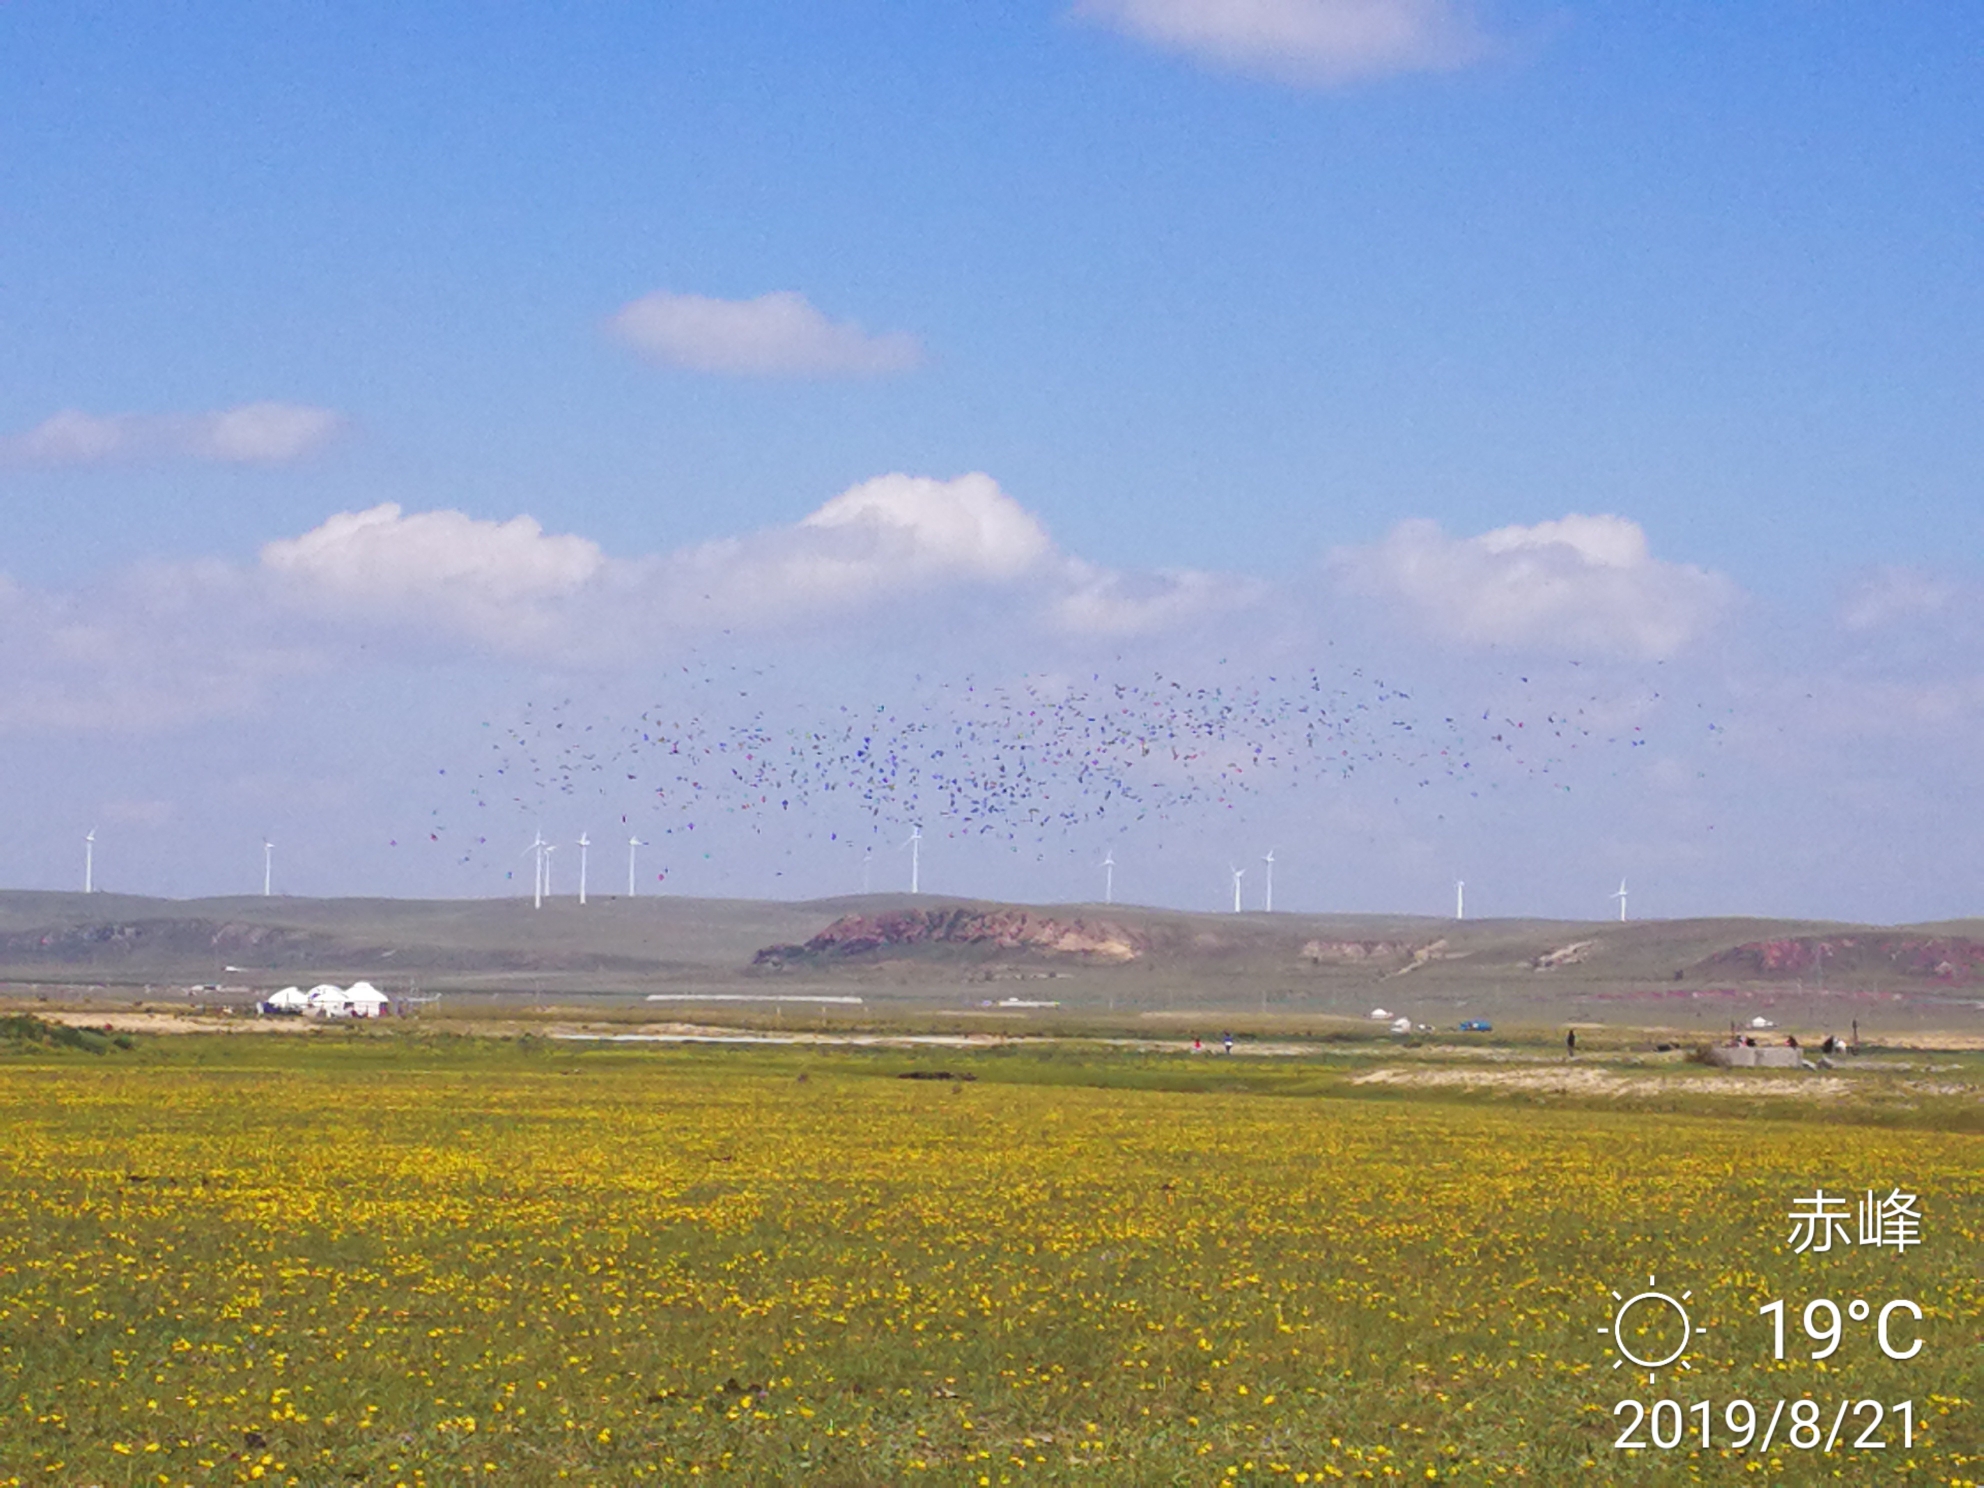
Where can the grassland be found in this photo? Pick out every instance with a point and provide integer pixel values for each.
(396, 1259)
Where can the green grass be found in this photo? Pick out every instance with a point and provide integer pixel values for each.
(389, 1259)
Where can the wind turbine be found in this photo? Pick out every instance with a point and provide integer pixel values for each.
(537, 880)
(549, 849)
(1109, 876)
(867, 867)
(1460, 898)
(268, 866)
(632, 843)
(585, 842)
(1621, 897)
(915, 846)
(1268, 902)
(89, 861)
(1238, 874)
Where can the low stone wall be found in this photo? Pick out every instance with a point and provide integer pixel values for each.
(1742, 1056)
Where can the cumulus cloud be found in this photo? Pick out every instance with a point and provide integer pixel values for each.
(966, 526)
(511, 586)
(1310, 42)
(774, 335)
(164, 645)
(251, 434)
(1579, 583)
(491, 580)
(899, 536)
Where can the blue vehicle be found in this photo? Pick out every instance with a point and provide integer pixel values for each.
(1477, 1025)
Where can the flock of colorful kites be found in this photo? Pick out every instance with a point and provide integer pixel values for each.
(1026, 761)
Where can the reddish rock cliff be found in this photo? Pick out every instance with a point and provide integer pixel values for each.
(1002, 930)
(1946, 958)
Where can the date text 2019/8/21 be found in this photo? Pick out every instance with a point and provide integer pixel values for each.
(1854, 1425)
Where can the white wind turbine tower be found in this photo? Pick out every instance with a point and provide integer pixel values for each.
(915, 846)
(1238, 874)
(89, 861)
(549, 849)
(537, 880)
(268, 866)
(1621, 897)
(633, 842)
(1267, 903)
(585, 842)
(1109, 876)
(1460, 898)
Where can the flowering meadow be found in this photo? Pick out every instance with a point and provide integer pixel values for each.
(433, 1262)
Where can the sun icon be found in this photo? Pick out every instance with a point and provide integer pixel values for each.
(1661, 1313)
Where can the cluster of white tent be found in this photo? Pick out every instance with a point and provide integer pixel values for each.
(328, 1000)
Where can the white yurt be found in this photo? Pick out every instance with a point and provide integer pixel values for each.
(363, 1000)
(289, 1000)
(326, 1000)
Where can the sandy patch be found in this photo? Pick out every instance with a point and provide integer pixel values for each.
(129, 1022)
(1583, 1080)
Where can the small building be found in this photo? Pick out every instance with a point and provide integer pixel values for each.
(1756, 1056)
(363, 1000)
(327, 1000)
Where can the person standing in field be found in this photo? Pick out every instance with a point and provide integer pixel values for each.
(1570, 1043)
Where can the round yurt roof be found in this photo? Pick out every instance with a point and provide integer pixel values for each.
(364, 992)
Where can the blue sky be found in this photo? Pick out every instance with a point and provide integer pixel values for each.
(1260, 319)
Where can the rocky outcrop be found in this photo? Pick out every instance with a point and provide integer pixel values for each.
(137, 940)
(996, 930)
(1569, 955)
(1945, 958)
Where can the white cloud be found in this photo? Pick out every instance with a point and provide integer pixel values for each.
(1580, 583)
(885, 539)
(261, 433)
(491, 580)
(774, 335)
(966, 526)
(1302, 41)
(251, 434)
(898, 536)
(1108, 602)
(165, 645)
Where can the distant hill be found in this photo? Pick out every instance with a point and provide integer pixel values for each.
(935, 951)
